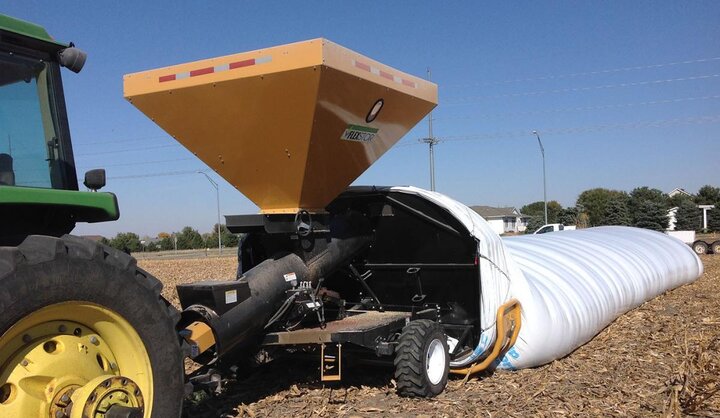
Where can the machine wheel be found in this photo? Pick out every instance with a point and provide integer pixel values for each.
(700, 247)
(84, 333)
(715, 247)
(422, 361)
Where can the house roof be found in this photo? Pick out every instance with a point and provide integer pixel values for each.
(493, 212)
(676, 191)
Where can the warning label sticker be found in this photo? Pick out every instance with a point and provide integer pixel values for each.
(230, 296)
(359, 133)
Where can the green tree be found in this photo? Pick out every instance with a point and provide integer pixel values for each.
(538, 209)
(227, 238)
(534, 223)
(167, 243)
(104, 241)
(569, 216)
(616, 212)
(595, 201)
(651, 215)
(676, 200)
(688, 217)
(714, 219)
(230, 240)
(189, 238)
(708, 195)
(638, 197)
(126, 241)
(642, 194)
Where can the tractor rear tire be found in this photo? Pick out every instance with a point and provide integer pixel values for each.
(82, 321)
(422, 361)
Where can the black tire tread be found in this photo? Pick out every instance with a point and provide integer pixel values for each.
(715, 247)
(702, 244)
(409, 359)
(36, 250)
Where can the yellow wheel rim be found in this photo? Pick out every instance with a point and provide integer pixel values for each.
(73, 359)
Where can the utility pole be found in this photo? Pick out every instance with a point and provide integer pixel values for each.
(542, 152)
(431, 141)
(217, 192)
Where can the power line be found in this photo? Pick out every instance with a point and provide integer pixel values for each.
(580, 74)
(159, 174)
(127, 150)
(471, 99)
(694, 120)
(121, 141)
(145, 162)
(580, 108)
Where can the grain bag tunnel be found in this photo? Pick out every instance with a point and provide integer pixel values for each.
(397, 273)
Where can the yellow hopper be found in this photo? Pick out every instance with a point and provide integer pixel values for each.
(290, 126)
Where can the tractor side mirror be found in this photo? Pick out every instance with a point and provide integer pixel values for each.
(95, 179)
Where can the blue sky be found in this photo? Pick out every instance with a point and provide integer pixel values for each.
(624, 94)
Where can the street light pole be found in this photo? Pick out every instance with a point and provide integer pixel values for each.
(217, 193)
(431, 141)
(542, 152)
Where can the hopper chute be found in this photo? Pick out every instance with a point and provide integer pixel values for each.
(290, 126)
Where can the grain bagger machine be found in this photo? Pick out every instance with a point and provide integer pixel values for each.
(390, 273)
(364, 269)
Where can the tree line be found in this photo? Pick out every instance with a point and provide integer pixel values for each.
(643, 207)
(186, 239)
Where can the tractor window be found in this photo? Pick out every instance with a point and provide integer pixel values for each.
(29, 153)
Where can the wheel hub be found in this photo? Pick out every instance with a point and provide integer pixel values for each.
(67, 369)
(61, 403)
(99, 396)
(435, 361)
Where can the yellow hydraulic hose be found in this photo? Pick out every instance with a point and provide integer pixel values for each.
(508, 323)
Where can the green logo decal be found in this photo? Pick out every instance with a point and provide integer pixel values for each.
(359, 133)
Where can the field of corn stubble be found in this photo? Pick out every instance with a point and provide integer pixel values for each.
(661, 359)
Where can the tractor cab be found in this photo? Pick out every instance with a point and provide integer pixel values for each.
(38, 183)
(32, 124)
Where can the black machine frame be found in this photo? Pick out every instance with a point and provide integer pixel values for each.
(415, 260)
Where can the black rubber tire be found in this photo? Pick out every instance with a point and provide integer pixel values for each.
(411, 376)
(44, 270)
(700, 247)
(715, 247)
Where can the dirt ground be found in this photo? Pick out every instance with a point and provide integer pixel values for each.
(661, 359)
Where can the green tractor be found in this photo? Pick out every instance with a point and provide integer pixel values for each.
(84, 332)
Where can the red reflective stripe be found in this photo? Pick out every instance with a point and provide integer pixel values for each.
(165, 78)
(240, 64)
(387, 75)
(202, 71)
(408, 83)
(362, 65)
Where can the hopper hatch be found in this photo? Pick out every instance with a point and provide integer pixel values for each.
(291, 126)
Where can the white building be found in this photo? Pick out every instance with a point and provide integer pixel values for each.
(503, 220)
